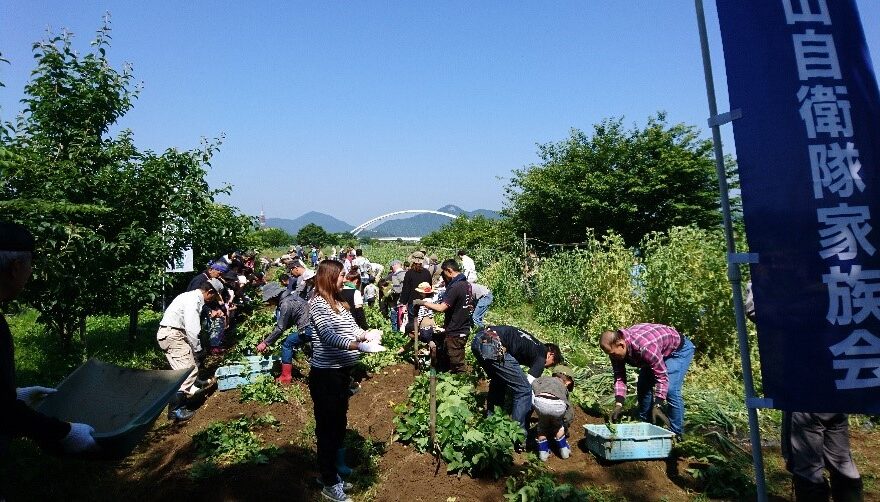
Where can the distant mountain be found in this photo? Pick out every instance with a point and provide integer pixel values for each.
(414, 226)
(423, 224)
(325, 221)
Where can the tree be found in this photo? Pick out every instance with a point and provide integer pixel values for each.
(106, 217)
(472, 233)
(313, 235)
(269, 238)
(632, 182)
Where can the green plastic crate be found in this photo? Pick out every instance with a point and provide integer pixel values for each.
(631, 441)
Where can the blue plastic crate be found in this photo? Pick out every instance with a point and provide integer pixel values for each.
(631, 441)
(233, 376)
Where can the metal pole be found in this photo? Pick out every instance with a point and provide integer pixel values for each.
(733, 273)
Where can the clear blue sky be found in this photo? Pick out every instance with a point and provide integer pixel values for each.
(360, 108)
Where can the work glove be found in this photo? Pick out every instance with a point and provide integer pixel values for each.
(33, 395)
(261, 347)
(617, 412)
(370, 347)
(373, 335)
(79, 439)
(658, 415)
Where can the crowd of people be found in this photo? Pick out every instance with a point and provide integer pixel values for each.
(323, 306)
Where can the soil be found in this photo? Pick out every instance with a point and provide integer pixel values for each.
(159, 468)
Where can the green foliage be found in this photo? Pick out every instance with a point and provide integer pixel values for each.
(686, 286)
(533, 483)
(506, 280)
(472, 233)
(466, 441)
(251, 332)
(591, 287)
(234, 442)
(313, 235)
(629, 181)
(112, 215)
(264, 390)
(268, 238)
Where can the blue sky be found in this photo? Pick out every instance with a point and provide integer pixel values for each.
(360, 108)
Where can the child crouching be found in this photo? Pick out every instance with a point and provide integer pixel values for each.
(554, 411)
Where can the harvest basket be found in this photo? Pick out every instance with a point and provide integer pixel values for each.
(233, 376)
(631, 441)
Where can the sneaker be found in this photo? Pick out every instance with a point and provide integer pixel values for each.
(346, 486)
(180, 414)
(335, 493)
(564, 452)
(544, 455)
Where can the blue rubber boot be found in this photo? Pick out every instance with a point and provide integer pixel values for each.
(341, 468)
(564, 449)
(543, 449)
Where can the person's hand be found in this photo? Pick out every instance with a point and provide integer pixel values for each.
(79, 439)
(261, 347)
(33, 395)
(370, 347)
(617, 412)
(374, 335)
(216, 313)
(658, 415)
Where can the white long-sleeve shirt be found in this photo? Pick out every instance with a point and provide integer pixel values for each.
(185, 313)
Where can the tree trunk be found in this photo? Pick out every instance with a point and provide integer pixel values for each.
(133, 314)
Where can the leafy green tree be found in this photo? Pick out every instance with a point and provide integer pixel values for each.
(269, 238)
(106, 216)
(472, 233)
(630, 181)
(312, 234)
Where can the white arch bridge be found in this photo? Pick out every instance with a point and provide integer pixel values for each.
(363, 226)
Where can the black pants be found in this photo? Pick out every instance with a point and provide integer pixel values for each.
(330, 393)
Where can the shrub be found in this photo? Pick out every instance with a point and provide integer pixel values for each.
(686, 286)
(505, 279)
(591, 287)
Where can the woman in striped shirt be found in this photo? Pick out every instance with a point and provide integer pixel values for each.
(336, 347)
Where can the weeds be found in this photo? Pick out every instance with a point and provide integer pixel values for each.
(223, 444)
(264, 390)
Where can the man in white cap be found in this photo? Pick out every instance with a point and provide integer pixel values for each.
(178, 337)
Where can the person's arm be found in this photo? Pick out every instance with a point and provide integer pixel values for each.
(619, 370)
(285, 311)
(436, 307)
(536, 368)
(651, 354)
(327, 326)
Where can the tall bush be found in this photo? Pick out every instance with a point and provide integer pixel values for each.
(506, 280)
(591, 287)
(685, 280)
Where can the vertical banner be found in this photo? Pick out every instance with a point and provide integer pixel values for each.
(808, 149)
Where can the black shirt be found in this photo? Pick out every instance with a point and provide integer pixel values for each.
(197, 281)
(457, 318)
(524, 347)
(411, 279)
(17, 418)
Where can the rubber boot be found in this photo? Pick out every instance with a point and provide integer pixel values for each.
(564, 449)
(341, 468)
(543, 449)
(177, 410)
(844, 489)
(285, 377)
(807, 491)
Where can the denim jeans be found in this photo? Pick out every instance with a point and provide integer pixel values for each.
(294, 341)
(480, 310)
(503, 375)
(676, 367)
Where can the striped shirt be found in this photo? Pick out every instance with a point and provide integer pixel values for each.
(333, 333)
(647, 346)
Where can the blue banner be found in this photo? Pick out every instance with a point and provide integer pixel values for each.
(808, 149)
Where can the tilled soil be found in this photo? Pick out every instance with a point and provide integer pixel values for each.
(160, 467)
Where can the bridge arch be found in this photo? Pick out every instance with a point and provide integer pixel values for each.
(363, 226)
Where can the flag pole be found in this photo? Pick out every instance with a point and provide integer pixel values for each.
(734, 259)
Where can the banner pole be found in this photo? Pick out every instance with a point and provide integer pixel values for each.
(733, 273)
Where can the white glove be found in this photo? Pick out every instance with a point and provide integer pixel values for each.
(374, 335)
(370, 347)
(79, 439)
(33, 395)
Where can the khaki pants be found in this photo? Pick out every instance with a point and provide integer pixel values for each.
(179, 354)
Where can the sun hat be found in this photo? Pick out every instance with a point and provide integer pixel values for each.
(417, 257)
(308, 274)
(425, 288)
(272, 290)
(217, 285)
